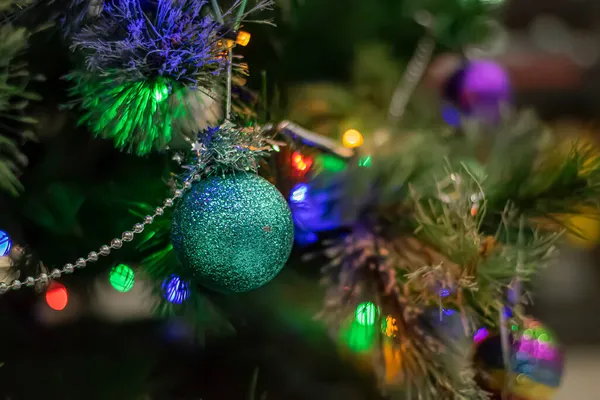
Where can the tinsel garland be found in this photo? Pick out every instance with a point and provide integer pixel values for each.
(73, 15)
(140, 64)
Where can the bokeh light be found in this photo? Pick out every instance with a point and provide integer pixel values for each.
(161, 92)
(299, 193)
(176, 290)
(481, 335)
(366, 314)
(57, 296)
(352, 139)
(122, 278)
(5, 244)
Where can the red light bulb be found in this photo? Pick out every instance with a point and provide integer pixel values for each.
(57, 296)
(301, 163)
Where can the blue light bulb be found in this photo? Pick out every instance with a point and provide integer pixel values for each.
(299, 193)
(176, 290)
(5, 244)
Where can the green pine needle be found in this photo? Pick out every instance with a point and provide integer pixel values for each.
(14, 98)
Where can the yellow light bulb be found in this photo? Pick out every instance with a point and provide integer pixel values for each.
(352, 139)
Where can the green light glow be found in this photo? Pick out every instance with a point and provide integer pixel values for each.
(358, 338)
(366, 314)
(365, 162)
(330, 163)
(122, 278)
(161, 91)
(134, 114)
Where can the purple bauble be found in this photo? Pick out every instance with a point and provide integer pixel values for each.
(485, 88)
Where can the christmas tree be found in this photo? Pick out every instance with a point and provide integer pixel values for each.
(285, 211)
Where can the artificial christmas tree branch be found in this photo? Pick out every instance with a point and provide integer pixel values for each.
(464, 240)
(14, 98)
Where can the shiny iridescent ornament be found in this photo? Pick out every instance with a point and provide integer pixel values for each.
(232, 233)
(537, 363)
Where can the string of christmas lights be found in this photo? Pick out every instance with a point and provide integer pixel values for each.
(115, 244)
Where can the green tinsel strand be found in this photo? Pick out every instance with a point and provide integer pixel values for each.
(137, 115)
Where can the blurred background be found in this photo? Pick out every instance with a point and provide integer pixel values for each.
(553, 52)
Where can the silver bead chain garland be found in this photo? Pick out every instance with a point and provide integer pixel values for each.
(414, 72)
(104, 250)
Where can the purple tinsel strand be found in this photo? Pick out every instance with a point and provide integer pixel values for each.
(175, 40)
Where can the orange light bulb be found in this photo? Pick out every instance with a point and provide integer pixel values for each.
(243, 38)
(301, 163)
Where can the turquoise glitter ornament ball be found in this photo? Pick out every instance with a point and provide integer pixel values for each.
(232, 233)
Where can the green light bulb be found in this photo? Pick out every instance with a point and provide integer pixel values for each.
(122, 278)
(331, 163)
(365, 162)
(161, 92)
(366, 314)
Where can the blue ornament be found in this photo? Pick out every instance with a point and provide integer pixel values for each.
(232, 233)
(5, 244)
